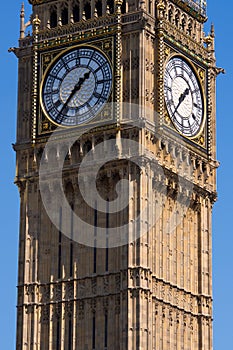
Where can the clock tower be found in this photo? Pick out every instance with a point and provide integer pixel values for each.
(116, 169)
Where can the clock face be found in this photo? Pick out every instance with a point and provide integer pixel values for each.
(76, 86)
(183, 97)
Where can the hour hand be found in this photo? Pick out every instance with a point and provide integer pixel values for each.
(181, 99)
(76, 88)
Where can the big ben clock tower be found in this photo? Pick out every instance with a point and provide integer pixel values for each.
(116, 169)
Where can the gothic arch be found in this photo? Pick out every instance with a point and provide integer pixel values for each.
(98, 6)
(64, 14)
(87, 10)
(183, 23)
(123, 7)
(177, 19)
(170, 14)
(110, 3)
(75, 152)
(69, 192)
(87, 146)
(190, 27)
(76, 12)
(53, 17)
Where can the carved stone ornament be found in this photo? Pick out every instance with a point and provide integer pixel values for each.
(57, 309)
(45, 314)
(57, 292)
(69, 288)
(81, 309)
(68, 309)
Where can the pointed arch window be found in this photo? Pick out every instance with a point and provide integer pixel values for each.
(183, 24)
(123, 7)
(190, 27)
(177, 20)
(98, 6)
(64, 16)
(110, 3)
(53, 18)
(87, 146)
(76, 12)
(87, 9)
(170, 15)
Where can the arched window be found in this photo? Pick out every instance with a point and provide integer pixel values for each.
(110, 3)
(190, 27)
(64, 16)
(87, 9)
(69, 192)
(76, 11)
(183, 23)
(98, 6)
(53, 19)
(170, 15)
(87, 146)
(123, 7)
(177, 20)
(75, 152)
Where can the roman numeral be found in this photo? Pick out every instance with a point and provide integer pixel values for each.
(57, 103)
(102, 81)
(65, 65)
(55, 77)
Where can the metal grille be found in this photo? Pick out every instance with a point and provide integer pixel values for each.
(197, 5)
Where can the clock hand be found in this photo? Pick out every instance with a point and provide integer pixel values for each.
(181, 99)
(76, 88)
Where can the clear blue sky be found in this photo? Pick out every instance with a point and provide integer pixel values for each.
(221, 14)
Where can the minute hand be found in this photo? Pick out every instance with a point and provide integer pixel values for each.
(76, 88)
(181, 99)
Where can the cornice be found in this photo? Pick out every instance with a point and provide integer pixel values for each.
(184, 42)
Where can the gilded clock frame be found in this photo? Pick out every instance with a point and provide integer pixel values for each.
(45, 124)
(201, 75)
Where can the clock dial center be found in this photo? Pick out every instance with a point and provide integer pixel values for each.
(181, 99)
(81, 82)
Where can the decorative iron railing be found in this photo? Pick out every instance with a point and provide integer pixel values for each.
(197, 5)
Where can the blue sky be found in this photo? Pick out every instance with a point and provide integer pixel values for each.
(221, 14)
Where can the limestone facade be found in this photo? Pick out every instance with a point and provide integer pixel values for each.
(156, 292)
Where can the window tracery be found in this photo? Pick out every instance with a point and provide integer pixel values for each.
(87, 10)
(53, 17)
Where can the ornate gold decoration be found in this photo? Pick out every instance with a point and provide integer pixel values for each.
(167, 120)
(195, 8)
(44, 125)
(200, 140)
(167, 51)
(201, 74)
(185, 42)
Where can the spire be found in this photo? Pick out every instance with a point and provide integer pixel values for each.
(23, 25)
(22, 19)
(212, 31)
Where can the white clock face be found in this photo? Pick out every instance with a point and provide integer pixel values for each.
(183, 97)
(76, 86)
